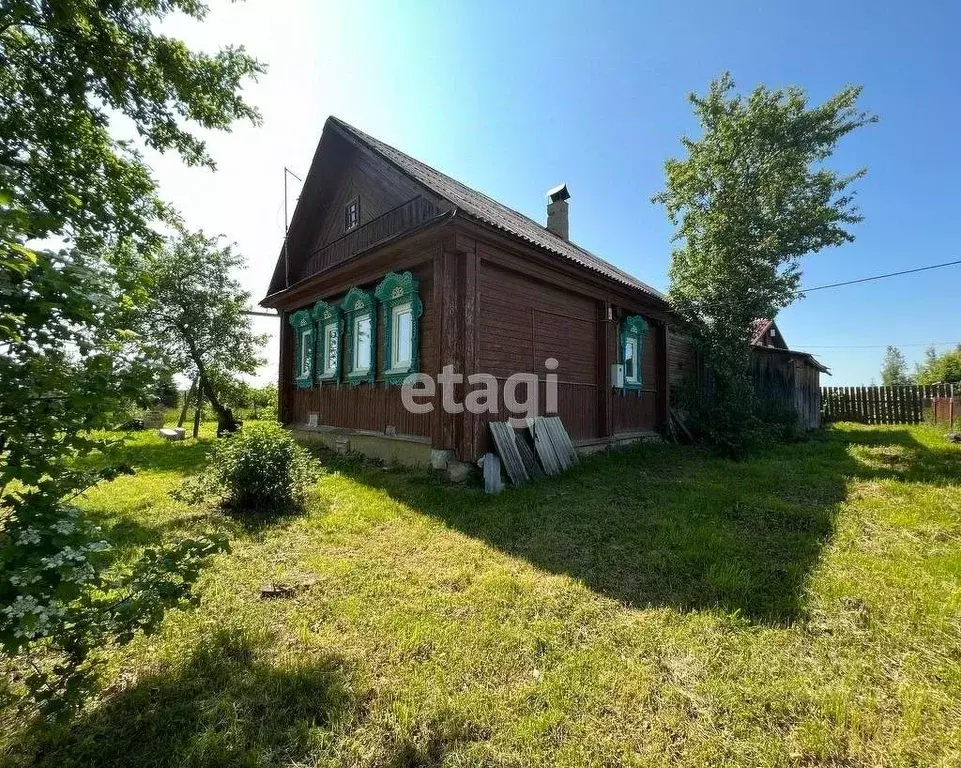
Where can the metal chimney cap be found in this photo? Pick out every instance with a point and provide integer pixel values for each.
(558, 193)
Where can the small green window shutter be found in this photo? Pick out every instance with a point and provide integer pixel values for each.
(304, 334)
(398, 296)
(631, 351)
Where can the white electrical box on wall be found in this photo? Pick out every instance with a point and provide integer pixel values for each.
(617, 376)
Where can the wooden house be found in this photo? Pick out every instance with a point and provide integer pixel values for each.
(391, 268)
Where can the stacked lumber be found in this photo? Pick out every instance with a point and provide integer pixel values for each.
(542, 447)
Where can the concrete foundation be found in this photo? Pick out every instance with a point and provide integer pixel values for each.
(404, 450)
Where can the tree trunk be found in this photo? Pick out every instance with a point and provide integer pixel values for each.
(188, 396)
(225, 417)
(198, 410)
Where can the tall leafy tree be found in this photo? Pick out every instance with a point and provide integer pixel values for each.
(72, 76)
(894, 368)
(67, 69)
(753, 195)
(197, 318)
(940, 369)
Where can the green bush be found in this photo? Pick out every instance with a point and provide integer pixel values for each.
(261, 470)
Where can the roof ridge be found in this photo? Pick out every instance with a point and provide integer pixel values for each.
(541, 235)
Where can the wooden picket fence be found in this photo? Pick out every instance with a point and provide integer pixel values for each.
(881, 405)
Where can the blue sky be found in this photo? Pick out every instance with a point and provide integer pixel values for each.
(514, 98)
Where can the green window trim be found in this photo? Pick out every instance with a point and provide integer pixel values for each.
(398, 295)
(631, 351)
(305, 335)
(327, 317)
(356, 306)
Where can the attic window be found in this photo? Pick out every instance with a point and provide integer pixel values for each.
(351, 214)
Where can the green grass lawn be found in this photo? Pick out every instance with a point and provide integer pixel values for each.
(657, 606)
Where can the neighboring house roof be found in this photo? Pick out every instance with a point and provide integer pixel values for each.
(489, 211)
(760, 339)
(805, 357)
(758, 328)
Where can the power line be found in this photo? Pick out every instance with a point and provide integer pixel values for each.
(880, 346)
(881, 277)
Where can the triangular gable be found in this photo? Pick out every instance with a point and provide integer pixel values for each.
(432, 184)
(765, 333)
(341, 171)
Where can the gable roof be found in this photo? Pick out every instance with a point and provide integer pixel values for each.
(760, 327)
(486, 209)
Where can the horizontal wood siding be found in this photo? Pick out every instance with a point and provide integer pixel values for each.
(681, 360)
(523, 322)
(373, 408)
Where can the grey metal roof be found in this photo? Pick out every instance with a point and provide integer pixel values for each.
(488, 210)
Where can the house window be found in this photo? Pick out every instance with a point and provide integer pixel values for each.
(402, 308)
(632, 333)
(327, 317)
(305, 361)
(303, 324)
(331, 349)
(352, 214)
(362, 344)
(402, 323)
(630, 361)
(361, 323)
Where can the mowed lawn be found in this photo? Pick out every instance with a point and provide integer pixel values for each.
(656, 606)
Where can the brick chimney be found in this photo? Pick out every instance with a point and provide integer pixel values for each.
(557, 209)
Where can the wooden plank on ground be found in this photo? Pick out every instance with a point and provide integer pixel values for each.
(493, 484)
(544, 448)
(563, 446)
(506, 444)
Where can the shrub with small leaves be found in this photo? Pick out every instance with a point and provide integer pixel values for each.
(259, 471)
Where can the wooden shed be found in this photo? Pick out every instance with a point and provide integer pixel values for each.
(785, 379)
(393, 270)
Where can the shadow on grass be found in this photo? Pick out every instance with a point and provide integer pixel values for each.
(671, 525)
(225, 706)
(228, 706)
(184, 457)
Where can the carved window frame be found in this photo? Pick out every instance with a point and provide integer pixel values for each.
(356, 305)
(397, 291)
(327, 316)
(305, 337)
(633, 328)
